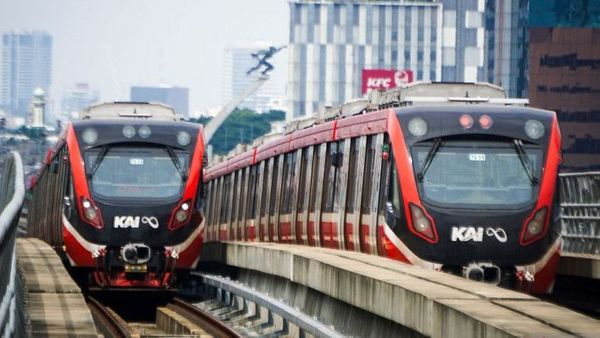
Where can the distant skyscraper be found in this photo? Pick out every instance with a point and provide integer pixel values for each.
(77, 99)
(176, 97)
(564, 75)
(26, 65)
(463, 40)
(237, 61)
(331, 42)
(506, 41)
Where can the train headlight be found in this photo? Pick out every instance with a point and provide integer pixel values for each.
(417, 126)
(91, 213)
(535, 226)
(466, 121)
(144, 132)
(183, 138)
(129, 131)
(421, 223)
(485, 121)
(90, 136)
(181, 216)
(534, 129)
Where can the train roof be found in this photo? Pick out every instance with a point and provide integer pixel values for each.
(130, 110)
(475, 108)
(369, 116)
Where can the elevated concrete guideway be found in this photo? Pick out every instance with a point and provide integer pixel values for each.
(579, 265)
(431, 303)
(54, 303)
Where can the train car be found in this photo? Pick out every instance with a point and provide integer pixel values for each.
(120, 195)
(456, 178)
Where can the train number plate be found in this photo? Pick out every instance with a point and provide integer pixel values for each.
(477, 157)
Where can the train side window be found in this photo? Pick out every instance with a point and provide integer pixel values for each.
(234, 197)
(242, 192)
(200, 193)
(251, 193)
(315, 169)
(368, 176)
(384, 181)
(274, 186)
(288, 179)
(301, 185)
(337, 166)
(329, 178)
(394, 188)
(263, 189)
(224, 198)
(352, 163)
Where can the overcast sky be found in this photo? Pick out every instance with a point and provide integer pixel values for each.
(113, 44)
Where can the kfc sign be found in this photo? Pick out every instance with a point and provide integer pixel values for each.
(384, 79)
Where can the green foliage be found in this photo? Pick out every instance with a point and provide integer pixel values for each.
(32, 133)
(242, 126)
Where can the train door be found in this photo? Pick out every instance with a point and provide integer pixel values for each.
(356, 169)
(287, 195)
(370, 194)
(330, 232)
(304, 184)
(313, 230)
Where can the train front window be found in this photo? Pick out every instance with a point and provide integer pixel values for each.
(125, 172)
(475, 173)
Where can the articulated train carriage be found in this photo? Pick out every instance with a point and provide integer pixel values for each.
(120, 196)
(455, 178)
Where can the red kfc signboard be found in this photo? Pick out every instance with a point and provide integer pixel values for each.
(384, 79)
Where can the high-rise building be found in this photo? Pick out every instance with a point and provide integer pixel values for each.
(26, 65)
(76, 99)
(331, 42)
(564, 75)
(237, 61)
(175, 97)
(463, 40)
(506, 41)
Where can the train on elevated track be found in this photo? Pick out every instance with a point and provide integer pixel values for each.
(451, 177)
(120, 196)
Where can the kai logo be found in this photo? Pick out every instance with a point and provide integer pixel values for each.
(134, 222)
(475, 234)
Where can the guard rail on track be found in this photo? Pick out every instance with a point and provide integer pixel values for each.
(580, 212)
(12, 193)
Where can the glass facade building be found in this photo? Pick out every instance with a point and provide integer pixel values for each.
(26, 65)
(332, 41)
(507, 38)
(564, 75)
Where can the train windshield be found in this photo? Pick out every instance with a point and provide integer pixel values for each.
(125, 172)
(482, 173)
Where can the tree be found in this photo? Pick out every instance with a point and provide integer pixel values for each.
(243, 126)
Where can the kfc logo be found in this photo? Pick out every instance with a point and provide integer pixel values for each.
(384, 79)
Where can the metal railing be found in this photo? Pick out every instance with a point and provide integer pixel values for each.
(12, 193)
(580, 212)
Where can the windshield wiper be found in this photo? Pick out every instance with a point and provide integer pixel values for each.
(432, 151)
(103, 152)
(526, 162)
(177, 164)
